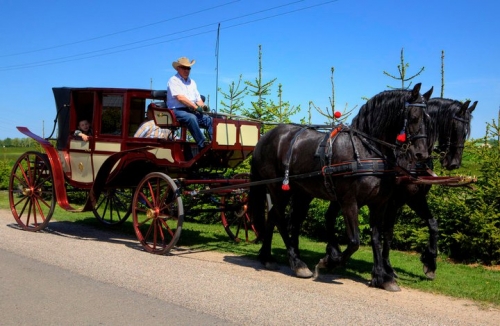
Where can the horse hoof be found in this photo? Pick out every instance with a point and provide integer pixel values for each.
(391, 286)
(272, 266)
(429, 273)
(316, 271)
(303, 272)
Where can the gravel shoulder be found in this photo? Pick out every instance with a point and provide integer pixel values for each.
(229, 287)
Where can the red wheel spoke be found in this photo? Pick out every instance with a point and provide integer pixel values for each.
(31, 191)
(151, 213)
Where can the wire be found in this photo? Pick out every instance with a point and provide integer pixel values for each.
(117, 33)
(87, 55)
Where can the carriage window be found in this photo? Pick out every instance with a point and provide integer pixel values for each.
(84, 107)
(137, 115)
(111, 120)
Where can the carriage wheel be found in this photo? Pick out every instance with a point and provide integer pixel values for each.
(114, 206)
(234, 215)
(31, 191)
(158, 213)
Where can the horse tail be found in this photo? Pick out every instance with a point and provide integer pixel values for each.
(256, 202)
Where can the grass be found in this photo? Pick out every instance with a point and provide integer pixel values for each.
(476, 283)
(11, 154)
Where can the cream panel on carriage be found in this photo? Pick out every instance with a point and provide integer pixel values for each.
(99, 159)
(109, 149)
(79, 145)
(81, 167)
(249, 135)
(162, 154)
(84, 163)
(163, 117)
(225, 134)
(80, 161)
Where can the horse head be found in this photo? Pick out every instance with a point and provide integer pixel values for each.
(453, 134)
(412, 139)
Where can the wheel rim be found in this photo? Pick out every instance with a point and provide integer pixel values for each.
(114, 206)
(158, 213)
(31, 191)
(234, 215)
(236, 221)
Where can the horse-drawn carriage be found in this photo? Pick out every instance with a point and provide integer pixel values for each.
(369, 163)
(122, 175)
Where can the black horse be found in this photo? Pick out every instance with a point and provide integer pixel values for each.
(449, 127)
(352, 166)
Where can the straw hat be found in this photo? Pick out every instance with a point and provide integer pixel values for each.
(182, 61)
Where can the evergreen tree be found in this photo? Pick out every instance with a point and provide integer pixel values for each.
(259, 89)
(329, 112)
(234, 98)
(282, 111)
(402, 73)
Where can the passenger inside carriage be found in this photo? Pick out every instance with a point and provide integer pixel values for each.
(149, 129)
(84, 131)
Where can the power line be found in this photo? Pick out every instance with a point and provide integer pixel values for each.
(116, 33)
(108, 51)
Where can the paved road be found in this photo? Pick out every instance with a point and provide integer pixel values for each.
(75, 275)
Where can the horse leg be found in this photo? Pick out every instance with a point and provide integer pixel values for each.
(275, 218)
(350, 212)
(265, 256)
(388, 235)
(300, 206)
(333, 256)
(380, 277)
(428, 258)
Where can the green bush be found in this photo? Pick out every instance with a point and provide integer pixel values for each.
(5, 170)
(469, 220)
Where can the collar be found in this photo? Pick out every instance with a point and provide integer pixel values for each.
(184, 80)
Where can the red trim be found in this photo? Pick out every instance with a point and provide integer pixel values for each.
(56, 167)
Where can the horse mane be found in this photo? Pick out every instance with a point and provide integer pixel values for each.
(381, 116)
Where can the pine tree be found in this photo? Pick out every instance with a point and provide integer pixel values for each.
(234, 98)
(402, 73)
(329, 112)
(259, 89)
(282, 111)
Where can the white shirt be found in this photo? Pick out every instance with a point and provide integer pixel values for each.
(178, 86)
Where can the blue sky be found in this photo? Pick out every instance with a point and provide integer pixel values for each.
(131, 44)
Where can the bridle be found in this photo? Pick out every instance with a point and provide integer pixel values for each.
(444, 149)
(409, 137)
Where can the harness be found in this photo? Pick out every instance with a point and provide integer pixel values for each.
(358, 167)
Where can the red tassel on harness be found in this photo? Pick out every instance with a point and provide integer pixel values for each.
(285, 187)
(401, 137)
(337, 115)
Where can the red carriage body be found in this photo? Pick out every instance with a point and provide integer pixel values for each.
(124, 175)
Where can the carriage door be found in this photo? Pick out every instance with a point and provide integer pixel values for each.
(80, 152)
(110, 134)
